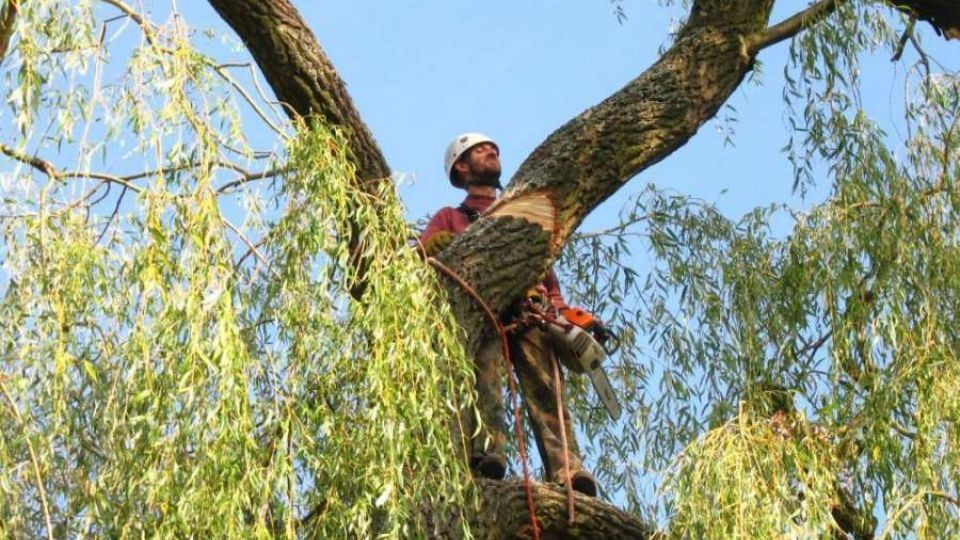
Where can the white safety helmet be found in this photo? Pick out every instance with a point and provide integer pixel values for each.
(457, 147)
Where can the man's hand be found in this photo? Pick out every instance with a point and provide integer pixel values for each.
(438, 242)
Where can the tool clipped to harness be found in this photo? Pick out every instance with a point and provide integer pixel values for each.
(578, 350)
(607, 339)
(580, 346)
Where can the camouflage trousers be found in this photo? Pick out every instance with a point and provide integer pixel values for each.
(533, 361)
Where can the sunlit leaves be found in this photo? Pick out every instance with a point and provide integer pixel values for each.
(845, 310)
(174, 374)
(782, 465)
(182, 358)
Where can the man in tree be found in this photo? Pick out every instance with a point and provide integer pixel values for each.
(472, 163)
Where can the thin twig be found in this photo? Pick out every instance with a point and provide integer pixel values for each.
(249, 252)
(252, 247)
(116, 210)
(54, 173)
(135, 16)
(250, 177)
(924, 58)
(219, 69)
(902, 430)
(183, 167)
(948, 136)
(75, 203)
(898, 53)
(106, 193)
(619, 228)
(256, 84)
(812, 348)
(45, 167)
(97, 75)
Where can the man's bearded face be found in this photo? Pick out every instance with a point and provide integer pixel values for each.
(483, 166)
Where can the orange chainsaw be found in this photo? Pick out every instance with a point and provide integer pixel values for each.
(583, 343)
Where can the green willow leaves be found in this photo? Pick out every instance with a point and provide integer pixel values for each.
(800, 367)
(168, 373)
(180, 355)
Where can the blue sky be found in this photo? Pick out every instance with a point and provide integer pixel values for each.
(420, 72)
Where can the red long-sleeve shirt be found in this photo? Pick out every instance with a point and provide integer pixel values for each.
(455, 221)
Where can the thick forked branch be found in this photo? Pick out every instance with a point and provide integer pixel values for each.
(592, 156)
(575, 169)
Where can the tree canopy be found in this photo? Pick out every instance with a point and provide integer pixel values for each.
(205, 338)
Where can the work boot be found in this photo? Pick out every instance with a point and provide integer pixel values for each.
(492, 466)
(583, 482)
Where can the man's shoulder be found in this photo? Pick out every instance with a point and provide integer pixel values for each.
(442, 218)
(444, 211)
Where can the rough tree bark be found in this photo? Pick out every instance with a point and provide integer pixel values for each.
(504, 514)
(943, 15)
(300, 74)
(575, 169)
(8, 16)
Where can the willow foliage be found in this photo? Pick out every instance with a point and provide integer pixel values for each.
(789, 384)
(166, 373)
(180, 356)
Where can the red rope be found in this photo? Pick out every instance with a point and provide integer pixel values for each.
(518, 420)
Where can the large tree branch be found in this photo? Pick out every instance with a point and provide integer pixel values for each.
(943, 15)
(8, 19)
(305, 81)
(792, 25)
(593, 155)
(503, 514)
(301, 75)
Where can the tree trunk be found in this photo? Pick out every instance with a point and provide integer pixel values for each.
(504, 514)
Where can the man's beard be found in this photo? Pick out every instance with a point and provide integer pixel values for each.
(487, 178)
(485, 174)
